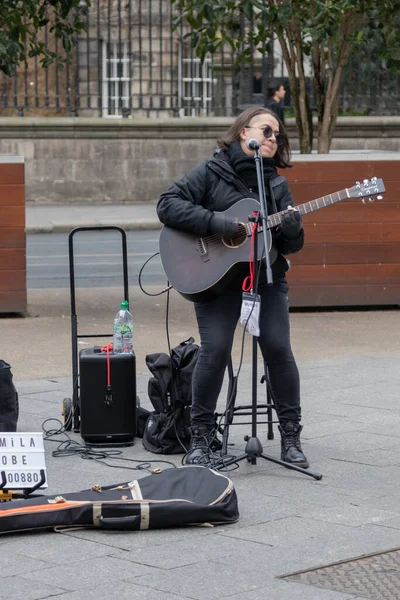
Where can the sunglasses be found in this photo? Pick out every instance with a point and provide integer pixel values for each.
(268, 132)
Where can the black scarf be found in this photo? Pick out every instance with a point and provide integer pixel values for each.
(245, 166)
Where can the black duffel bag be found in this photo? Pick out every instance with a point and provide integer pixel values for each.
(189, 495)
(9, 408)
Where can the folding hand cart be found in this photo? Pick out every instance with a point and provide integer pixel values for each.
(71, 408)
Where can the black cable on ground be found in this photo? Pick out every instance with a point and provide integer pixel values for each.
(69, 447)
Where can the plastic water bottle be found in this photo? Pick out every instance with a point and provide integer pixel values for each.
(123, 330)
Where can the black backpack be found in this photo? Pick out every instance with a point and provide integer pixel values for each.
(170, 391)
(9, 408)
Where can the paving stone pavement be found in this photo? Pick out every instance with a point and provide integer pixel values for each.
(288, 521)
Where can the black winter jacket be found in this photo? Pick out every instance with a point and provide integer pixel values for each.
(213, 185)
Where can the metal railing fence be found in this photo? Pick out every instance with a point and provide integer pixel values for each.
(130, 63)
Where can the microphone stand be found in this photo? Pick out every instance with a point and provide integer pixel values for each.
(254, 449)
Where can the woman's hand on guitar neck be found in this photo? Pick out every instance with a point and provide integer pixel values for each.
(291, 223)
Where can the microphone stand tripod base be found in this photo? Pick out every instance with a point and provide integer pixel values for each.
(254, 450)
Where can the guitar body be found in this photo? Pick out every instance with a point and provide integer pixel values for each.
(199, 268)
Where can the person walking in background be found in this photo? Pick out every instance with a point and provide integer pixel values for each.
(196, 204)
(257, 83)
(276, 96)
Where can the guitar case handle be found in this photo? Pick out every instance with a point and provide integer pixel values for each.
(120, 523)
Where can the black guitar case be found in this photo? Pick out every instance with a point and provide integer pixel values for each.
(188, 495)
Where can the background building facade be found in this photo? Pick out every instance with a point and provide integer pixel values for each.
(131, 62)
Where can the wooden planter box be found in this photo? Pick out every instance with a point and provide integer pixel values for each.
(12, 235)
(351, 255)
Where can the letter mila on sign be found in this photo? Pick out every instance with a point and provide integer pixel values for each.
(21, 460)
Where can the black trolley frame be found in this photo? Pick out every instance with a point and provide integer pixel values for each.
(71, 408)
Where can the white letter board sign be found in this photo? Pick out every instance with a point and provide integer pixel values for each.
(21, 460)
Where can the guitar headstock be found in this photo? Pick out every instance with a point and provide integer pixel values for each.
(367, 189)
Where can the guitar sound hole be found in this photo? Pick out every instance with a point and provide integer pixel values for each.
(238, 239)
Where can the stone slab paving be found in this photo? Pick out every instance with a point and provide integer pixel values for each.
(288, 522)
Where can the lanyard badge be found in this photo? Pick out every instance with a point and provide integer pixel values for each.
(250, 313)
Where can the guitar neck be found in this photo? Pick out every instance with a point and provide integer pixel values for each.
(309, 207)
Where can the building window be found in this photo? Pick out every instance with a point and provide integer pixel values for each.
(195, 86)
(116, 79)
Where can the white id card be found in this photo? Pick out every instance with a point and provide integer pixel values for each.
(250, 313)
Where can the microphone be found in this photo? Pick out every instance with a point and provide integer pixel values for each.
(253, 144)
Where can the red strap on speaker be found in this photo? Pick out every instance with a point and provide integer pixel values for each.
(107, 349)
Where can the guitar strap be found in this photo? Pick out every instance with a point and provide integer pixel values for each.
(226, 172)
(271, 193)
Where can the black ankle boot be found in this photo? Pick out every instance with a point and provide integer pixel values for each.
(291, 451)
(200, 452)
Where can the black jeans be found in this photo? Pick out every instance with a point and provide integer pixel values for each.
(217, 320)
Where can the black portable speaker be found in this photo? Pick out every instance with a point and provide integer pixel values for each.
(107, 417)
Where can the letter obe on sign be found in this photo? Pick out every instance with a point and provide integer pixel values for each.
(22, 459)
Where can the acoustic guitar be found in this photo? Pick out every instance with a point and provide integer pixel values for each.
(199, 267)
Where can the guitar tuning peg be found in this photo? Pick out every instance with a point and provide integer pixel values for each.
(363, 200)
(358, 183)
(365, 181)
(371, 199)
(379, 197)
(373, 178)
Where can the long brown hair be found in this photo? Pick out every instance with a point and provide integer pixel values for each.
(282, 156)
